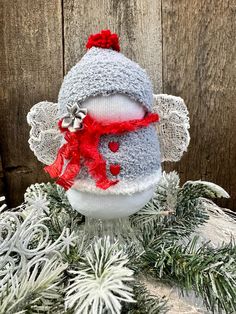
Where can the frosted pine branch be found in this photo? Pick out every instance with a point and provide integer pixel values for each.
(3, 206)
(26, 245)
(37, 284)
(205, 189)
(100, 282)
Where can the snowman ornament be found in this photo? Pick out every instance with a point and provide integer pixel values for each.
(105, 139)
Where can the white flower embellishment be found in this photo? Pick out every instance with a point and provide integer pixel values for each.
(74, 119)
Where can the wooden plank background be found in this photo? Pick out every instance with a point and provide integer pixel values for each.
(187, 47)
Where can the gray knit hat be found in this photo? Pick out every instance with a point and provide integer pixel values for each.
(105, 72)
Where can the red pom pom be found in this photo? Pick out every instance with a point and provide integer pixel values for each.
(105, 40)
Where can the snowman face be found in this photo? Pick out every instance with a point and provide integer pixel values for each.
(112, 108)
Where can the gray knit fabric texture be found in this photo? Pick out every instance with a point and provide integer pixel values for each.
(105, 72)
(138, 157)
(138, 154)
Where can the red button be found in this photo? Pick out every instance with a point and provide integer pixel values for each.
(115, 169)
(114, 146)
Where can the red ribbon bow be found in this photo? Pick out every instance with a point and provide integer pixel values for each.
(84, 145)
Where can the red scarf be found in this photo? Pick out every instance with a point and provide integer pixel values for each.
(84, 145)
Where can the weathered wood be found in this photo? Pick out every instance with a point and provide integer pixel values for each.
(137, 22)
(199, 59)
(31, 71)
(2, 189)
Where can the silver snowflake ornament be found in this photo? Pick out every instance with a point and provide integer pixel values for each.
(74, 118)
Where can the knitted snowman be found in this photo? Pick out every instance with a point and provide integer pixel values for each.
(105, 139)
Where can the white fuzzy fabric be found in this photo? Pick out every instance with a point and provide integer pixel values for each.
(108, 206)
(122, 187)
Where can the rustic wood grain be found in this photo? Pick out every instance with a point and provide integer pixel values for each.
(137, 22)
(31, 71)
(2, 187)
(199, 64)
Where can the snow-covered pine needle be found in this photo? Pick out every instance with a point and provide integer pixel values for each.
(3, 206)
(37, 201)
(208, 188)
(38, 284)
(100, 282)
(163, 203)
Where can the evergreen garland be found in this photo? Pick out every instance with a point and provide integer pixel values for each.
(45, 268)
(210, 272)
(145, 302)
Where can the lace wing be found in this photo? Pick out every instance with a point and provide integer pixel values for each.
(173, 127)
(45, 137)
